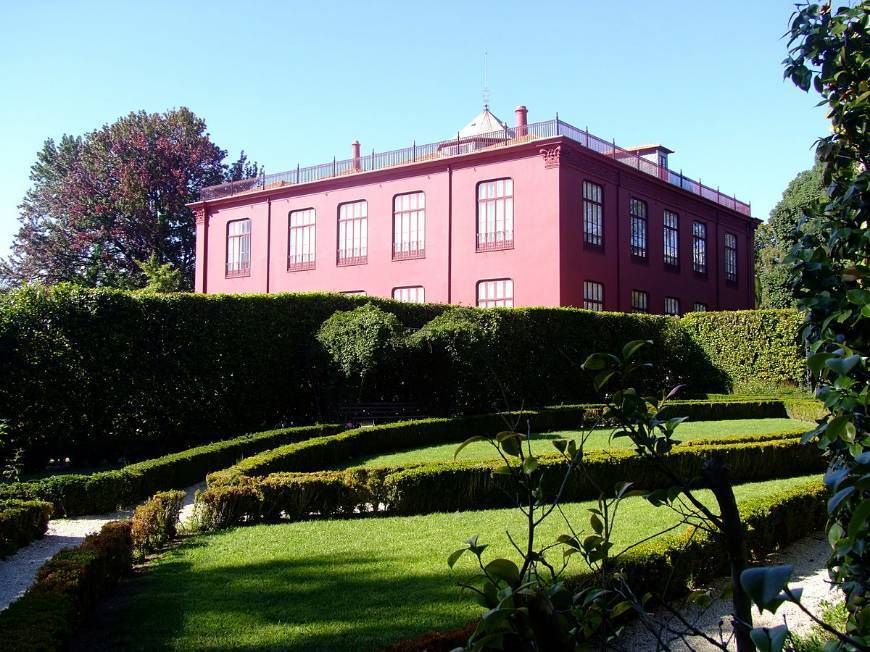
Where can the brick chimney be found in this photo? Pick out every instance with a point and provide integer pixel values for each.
(522, 120)
(355, 155)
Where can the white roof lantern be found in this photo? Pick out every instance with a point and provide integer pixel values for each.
(483, 123)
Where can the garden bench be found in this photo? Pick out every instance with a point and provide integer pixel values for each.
(360, 414)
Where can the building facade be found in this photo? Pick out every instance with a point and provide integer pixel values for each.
(538, 214)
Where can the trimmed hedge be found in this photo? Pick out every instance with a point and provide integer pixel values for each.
(154, 522)
(99, 374)
(331, 451)
(66, 589)
(457, 486)
(106, 491)
(22, 521)
(754, 350)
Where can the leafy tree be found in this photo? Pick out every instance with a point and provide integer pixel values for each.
(775, 237)
(103, 203)
(161, 278)
(830, 53)
(242, 168)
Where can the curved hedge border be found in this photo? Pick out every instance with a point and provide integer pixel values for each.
(328, 452)
(446, 487)
(106, 491)
(22, 521)
(66, 589)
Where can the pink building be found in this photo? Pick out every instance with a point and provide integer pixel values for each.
(538, 214)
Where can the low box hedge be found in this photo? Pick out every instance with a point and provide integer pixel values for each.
(457, 486)
(326, 452)
(106, 491)
(66, 589)
(22, 521)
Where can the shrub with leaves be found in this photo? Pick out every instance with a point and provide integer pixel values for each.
(155, 521)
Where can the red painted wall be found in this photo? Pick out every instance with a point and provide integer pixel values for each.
(548, 263)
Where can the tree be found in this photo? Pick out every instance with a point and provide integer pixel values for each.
(103, 203)
(830, 53)
(161, 278)
(775, 237)
(242, 169)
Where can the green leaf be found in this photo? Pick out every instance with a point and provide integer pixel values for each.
(837, 498)
(512, 445)
(633, 347)
(843, 366)
(599, 361)
(503, 569)
(763, 585)
(468, 441)
(859, 518)
(454, 556)
(620, 608)
(530, 464)
(769, 640)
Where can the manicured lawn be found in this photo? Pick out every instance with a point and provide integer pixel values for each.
(542, 443)
(336, 585)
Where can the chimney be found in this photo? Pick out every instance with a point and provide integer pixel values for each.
(355, 156)
(522, 120)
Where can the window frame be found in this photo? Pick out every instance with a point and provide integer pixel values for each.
(242, 267)
(700, 262)
(419, 216)
(638, 227)
(671, 255)
(506, 301)
(704, 307)
(592, 240)
(590, 301)
(730, 258)
(362, 252)
(676, 301)
(301, 231)
(486, 240)
(640, 294)
(422, 291)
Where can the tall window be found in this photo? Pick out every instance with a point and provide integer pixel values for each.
(409, 226)
(699, 247)
(593, 295)
(672, 306)
(498, 293)
(672, 239)
(731, 257)
(353, 233)
(637, 212)
(414, 294)
(495, 215)
(593, 214)
(639, 301)
(301, 240)
(238, 248)
(699, 307)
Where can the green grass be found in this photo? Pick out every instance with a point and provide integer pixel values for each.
(542, 443)
(336, 585)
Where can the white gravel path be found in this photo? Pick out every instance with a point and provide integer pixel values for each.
(18, 571)
(807, 556)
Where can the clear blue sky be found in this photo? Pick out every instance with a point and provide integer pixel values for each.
(298, 82)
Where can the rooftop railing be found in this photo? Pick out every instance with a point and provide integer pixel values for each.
(460, 146)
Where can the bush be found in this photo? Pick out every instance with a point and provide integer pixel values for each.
(75, 495)
(334, 450)
(365, 346)
(22, 521)
(456, 486)
(154, 522)
(99, 374)
(755, 350)
(66, 589)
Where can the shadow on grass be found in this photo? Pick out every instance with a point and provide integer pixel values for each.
(200, 599)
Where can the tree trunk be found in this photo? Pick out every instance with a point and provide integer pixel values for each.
(716, 475)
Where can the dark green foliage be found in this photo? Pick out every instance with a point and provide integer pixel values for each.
(66, 589)
(21, 521)
(74, 495)
(775, 238)
(154, 521)
(365, 346)
(95, 375)
(754, 350)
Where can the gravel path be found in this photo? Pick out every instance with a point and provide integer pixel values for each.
(807, 556)
(18, 571)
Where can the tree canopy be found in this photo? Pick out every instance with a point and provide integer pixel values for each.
(102, 204)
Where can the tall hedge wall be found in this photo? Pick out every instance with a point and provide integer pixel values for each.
(96, 374)
(754, 350)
